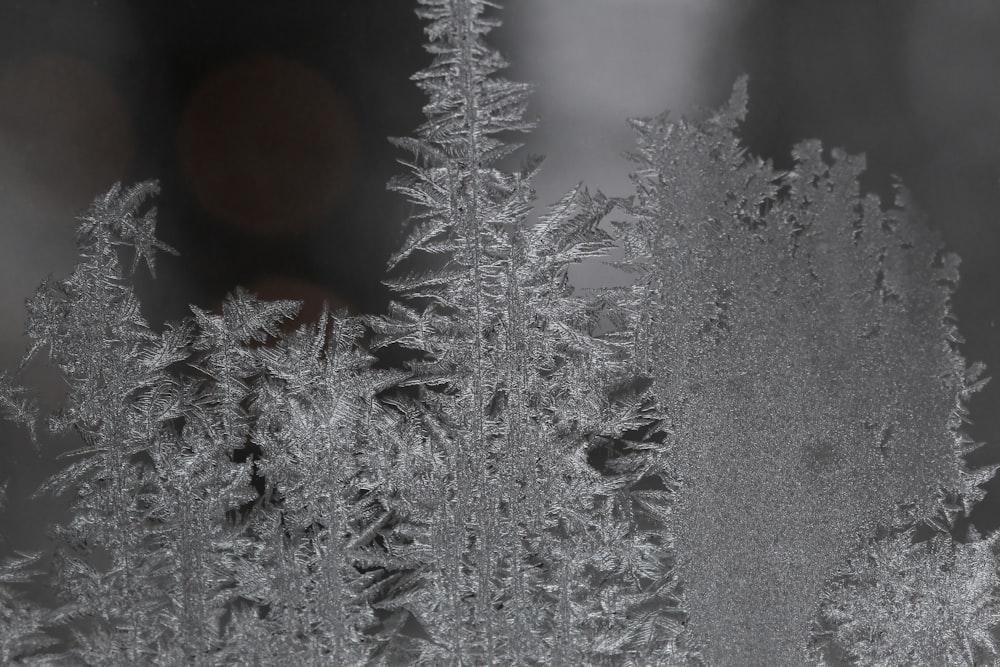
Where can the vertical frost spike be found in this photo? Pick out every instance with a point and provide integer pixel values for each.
(120, 401)
(516, 394)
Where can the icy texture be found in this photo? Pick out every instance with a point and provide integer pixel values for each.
(928, 602)
(527, 552)
(690, 470)
(118, 396)
(22, 622)
(807, 364)
(221, 515)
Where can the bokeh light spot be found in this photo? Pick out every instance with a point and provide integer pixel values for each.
(267, 145)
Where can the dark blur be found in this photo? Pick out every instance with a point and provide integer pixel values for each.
(266, 124)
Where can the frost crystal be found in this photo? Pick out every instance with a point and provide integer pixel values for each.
(905, 601)
(694, 469)
(807, 365)
(526, 551)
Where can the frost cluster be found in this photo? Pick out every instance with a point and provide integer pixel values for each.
(706, 467)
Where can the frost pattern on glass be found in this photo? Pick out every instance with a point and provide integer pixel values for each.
(807, 365)
(909, 598)
(527, 552)
(118, 396)
(221, 515)
(22, 621)
(17, 405)
(696, 469)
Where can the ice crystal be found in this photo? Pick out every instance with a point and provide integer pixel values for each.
(513, 528)
(172, 543)
(22, 622)
(119, 395)
(807, 364)
(909, 601)
(693, 469)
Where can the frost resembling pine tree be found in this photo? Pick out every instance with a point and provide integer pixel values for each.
(750, 456)
(531, 553)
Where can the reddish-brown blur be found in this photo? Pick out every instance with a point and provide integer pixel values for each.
(267, 145)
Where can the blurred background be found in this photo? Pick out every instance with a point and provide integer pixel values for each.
(266, 125)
